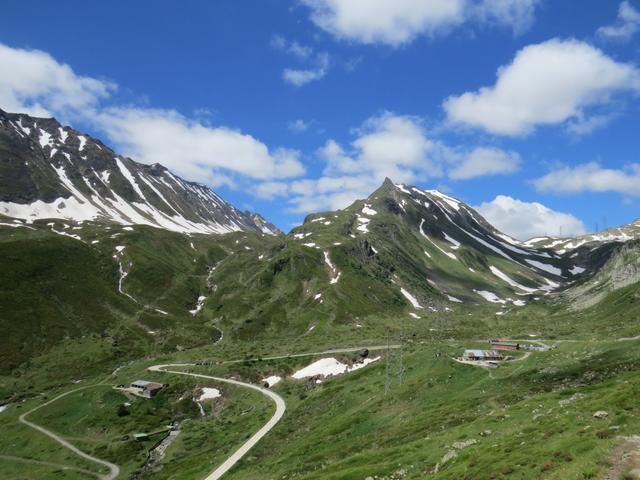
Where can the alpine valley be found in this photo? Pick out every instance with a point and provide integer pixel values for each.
(110, 267)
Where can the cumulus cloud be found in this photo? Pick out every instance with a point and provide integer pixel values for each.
(270, 190)
(591, 177)
(626, 26)
(525, 220)
(399, 22)
(38, 84)
(547, 83)
(34, 82)
(483, 161)
(385, 145)
(192, 149)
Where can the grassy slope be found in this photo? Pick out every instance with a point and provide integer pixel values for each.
(348, 428)
(67, 319)
(345, 428)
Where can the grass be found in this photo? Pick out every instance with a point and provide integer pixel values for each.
(347, 427)
(69, 323)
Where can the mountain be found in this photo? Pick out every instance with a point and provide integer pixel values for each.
(53, 171)
(562, 245)
(402, 251)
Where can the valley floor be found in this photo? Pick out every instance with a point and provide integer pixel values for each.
(415, 414)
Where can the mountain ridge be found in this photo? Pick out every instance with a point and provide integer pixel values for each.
(54, 171)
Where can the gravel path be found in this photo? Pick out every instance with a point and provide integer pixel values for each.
(114, 470)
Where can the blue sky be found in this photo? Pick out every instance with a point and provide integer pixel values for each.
(290, 107)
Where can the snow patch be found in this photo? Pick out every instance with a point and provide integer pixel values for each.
(209, 393)
(335, 274)
(411, 299)
(199, 305)
(543, 266)
(44, 138)
(503, 276)
(327, 367)
(490, 296)
(448, 254)
(367, 210)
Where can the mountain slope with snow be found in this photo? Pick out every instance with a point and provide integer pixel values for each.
(51, 171)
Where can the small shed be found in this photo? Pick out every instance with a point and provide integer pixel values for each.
(147, 389)
(481, 355)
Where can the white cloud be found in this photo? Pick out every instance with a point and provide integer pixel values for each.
(582, 125)
(386, 145)
(270, 190)
(382, 21)
(37, 83)
(192, 149)
(316, 65)
(627, 25)
(34, 82)
(293, 48)
(485, 161)
(591, 177)
(299, 125)
(548, 83)
(525, 220)
(519, 14)
(399, 22)
(300, 77)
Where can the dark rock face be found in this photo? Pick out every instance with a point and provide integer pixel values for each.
(51, 171)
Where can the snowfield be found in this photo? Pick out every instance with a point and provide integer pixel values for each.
(209, 393)
(503, 276)
(490, 296)
(327, 367)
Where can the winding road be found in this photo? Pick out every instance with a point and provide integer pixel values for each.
(277, 399)
(256, 437)
(114, 470)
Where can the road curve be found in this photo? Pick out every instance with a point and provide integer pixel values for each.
(249, 444)
(114, 470)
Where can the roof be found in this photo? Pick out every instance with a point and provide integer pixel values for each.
(475, 353)
(146, 384)
(142, 383)
(482, 353)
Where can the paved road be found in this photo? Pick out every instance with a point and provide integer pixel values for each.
(277, 399)
(249, 444)
(315, 354)
(114, 470)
